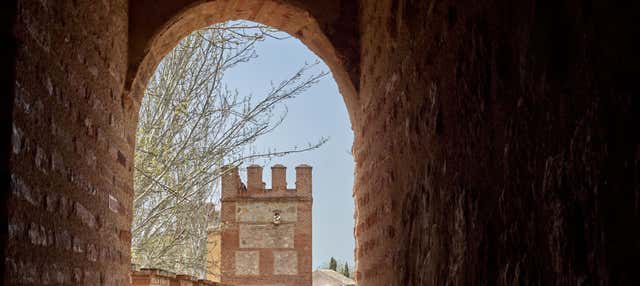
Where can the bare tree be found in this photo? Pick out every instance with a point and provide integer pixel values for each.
(190, 126)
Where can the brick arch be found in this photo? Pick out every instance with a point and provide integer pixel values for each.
(161, 37)
(153, 38)
(495, 141)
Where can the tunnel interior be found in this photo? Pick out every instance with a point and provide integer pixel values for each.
(496, 142)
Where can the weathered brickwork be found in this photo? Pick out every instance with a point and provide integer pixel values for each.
(328, 28)
(495, 141)
(72, 131)
(266, 233)
(498, 143)
(156, 277)
(70, 156)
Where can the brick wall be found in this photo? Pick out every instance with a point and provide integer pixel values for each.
(71, 162)
(257, 248)
(156, 277)
(71, 135)
(497, 144)
(494, 140)
(328, 28)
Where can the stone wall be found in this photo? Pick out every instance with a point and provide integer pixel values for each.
(266, 233)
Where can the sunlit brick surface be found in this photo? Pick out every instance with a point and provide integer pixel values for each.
(266, 233)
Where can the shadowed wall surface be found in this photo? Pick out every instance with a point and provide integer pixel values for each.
(495, 143)
(507, 152)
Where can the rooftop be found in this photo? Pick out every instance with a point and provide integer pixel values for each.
(328, 277)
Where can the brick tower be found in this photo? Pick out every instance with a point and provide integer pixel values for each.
(266, 233)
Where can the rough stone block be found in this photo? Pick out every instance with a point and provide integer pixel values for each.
(264, 211)
(266, 236)
(247, 263)
(285, 262)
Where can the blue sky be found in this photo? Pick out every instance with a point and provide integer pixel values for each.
(319, 112)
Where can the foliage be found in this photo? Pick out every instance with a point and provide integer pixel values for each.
(344, 270)
(338, 266)
(333, 264)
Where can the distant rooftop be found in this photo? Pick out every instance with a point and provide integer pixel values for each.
(328, 277)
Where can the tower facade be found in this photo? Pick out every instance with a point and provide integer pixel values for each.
(266, 233)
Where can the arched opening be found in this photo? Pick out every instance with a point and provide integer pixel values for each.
(279, 15)
(485, 132)
(193, 18)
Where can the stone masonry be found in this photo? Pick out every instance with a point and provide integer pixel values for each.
(266, 233)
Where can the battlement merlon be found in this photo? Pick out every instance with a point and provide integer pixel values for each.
(254, 179)
(278, 178)
(230, 181)
(232, 185)
(304, 179)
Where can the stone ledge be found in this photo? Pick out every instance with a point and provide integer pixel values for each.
(153, 276)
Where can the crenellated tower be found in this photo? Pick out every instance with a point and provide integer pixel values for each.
(266, 233)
